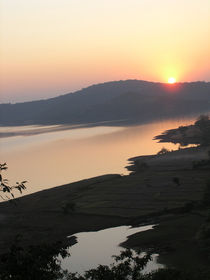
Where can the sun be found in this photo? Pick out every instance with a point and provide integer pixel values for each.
(171, 80)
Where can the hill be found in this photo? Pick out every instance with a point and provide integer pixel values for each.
(129, 101)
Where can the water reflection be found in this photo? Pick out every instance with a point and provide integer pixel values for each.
(51, 159)
(94, 248)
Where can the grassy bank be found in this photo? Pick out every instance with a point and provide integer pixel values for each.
(149, 194)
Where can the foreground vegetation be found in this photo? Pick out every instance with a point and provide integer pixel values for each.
(40, 262)
(6, 189)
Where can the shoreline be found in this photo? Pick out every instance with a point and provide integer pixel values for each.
(40, 128)
(147, 195)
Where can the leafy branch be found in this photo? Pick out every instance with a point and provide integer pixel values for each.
(6, 188)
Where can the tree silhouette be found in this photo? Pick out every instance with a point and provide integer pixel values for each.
(163, 151)
(197, 133)
(7, 189)
(42, 263)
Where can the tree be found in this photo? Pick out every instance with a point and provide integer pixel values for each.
(42, 263)
(202, 121)
(176, 180)
(32, 263)
(163, 151)
(7, 189)
(197, 134)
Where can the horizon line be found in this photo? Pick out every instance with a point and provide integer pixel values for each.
(102, 83)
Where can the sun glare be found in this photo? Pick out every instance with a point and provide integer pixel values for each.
(171, 80)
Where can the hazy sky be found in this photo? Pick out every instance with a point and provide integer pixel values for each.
(51, 47)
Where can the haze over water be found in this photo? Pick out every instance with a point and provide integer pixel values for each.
(55, 158)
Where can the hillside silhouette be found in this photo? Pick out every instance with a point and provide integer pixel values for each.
(130, 101)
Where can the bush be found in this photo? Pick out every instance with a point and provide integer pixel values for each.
(141, 165)
(32, 263)
(176, 180)
(163, 151)
(68, 206)
(41, 263)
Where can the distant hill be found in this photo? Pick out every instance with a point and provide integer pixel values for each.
(130, 101)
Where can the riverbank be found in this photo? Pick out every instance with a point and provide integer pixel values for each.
(149, 194)
(176, 238)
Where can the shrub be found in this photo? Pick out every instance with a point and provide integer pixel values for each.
(68, 206)
(163, 151)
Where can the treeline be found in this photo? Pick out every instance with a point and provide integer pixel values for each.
(130, 101)
(198, 133)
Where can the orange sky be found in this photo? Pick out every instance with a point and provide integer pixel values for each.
(51, 47)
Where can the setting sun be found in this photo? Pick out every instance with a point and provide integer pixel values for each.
(171, 80)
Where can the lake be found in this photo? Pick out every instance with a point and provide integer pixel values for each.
(94, 248)
(50, 156)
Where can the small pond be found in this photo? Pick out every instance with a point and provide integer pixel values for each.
(94, 248)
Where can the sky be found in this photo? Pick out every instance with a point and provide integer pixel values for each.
(52, 47)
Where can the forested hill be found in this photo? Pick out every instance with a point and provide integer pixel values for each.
(130, 101)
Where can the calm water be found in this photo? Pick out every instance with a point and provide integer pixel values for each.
(55, 157)
(58, 157)
(94, 248)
